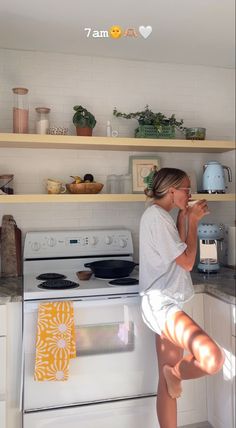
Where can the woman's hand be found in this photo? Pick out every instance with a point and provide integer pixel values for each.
(198, 210)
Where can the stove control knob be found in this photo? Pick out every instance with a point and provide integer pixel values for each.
(94, 240)
(108, 240)
(35, 246)
(122, 243)
(52, 242)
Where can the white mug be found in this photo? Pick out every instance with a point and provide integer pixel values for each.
(55, 186)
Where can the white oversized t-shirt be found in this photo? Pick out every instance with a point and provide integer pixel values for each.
(160, 245)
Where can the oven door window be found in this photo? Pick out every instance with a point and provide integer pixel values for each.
(116, 355)
(104, 338)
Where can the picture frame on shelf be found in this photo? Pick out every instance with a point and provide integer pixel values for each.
(140, 167)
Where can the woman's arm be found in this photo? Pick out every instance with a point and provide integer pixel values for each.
(196, 213)
(181, 224)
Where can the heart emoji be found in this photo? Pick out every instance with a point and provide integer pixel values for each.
(145, 31)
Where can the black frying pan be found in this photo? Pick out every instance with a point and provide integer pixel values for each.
(111, 268)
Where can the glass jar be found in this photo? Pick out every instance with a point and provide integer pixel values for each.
(113, 183)
(6, 184)
(126, 184)
(42, 121)
(20, 111)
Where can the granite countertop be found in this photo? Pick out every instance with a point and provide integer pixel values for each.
(220, 285)
(11, 289)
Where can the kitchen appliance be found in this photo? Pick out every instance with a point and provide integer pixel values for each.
(213, 177)
(113, 379)
(209, 236)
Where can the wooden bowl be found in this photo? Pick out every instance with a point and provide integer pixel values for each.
(84, 275)
(84, 187)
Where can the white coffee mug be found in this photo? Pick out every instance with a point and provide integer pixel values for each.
(55, 186)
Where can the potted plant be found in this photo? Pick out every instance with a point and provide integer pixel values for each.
(153, 125)
(84, 121)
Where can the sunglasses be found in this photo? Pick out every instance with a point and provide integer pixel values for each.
(187, 190)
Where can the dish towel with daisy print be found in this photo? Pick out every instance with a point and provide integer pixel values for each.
(55, 343)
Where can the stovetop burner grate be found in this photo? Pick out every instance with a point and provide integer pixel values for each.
(50, 275)
(60, 284)
(124, 281)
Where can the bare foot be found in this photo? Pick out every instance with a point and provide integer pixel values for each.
(173, 383)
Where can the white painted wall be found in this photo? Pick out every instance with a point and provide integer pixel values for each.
(202, 96)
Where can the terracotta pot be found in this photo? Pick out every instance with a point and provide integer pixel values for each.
(86, 132)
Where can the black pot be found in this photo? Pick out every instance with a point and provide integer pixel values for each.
(111, 268)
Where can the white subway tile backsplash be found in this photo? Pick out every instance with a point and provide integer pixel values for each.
(202, 96)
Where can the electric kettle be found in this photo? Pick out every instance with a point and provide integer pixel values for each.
(213, 177)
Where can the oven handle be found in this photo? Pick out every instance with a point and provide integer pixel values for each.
(91, 302)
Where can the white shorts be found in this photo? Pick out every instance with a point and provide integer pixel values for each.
(156, 308)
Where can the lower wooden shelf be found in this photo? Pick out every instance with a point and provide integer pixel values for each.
(101, 197)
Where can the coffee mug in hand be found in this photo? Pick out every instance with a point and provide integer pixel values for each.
(55, 186)
(191, 203)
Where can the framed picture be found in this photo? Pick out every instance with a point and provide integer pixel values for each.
(140, 167)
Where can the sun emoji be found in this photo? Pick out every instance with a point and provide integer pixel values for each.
(115, 32)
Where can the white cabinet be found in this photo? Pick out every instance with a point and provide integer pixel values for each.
(10, 364)
(3, 365)
(220, 386)
(192, 405)
(14, 365)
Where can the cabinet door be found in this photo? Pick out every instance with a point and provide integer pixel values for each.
(192, 405)
(3, 320)
(233, 376)
(2, 366)
(220, 386)
(2, 414)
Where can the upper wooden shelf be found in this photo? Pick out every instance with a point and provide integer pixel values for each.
(36, 141)
(100, 197)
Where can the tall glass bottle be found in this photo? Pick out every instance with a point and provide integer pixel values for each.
(20, 111)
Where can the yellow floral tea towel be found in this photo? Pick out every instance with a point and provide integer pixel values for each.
(55, 343)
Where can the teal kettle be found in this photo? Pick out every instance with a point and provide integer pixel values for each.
(214, 177)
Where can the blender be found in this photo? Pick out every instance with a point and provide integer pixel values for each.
(209, 235)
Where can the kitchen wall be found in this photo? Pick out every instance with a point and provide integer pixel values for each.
(202, 96)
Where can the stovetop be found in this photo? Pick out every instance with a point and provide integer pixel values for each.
(93, 287)
(65, 253)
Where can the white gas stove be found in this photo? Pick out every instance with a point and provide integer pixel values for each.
(65, 253)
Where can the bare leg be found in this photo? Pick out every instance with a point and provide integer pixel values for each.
(205, 356)
(167, 353)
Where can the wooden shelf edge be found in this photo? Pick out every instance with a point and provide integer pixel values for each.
(36, 141)
(103, 197)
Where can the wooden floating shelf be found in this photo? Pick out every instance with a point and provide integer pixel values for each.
(36, 141)
(102, 197)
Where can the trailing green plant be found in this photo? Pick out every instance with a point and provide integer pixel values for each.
(147, 117)
(83, 118)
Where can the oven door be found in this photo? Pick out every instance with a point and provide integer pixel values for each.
(116, 358)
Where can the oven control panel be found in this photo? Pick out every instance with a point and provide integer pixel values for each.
(77, 243)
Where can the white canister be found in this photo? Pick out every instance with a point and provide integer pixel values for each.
(42, 121)
(231, 231)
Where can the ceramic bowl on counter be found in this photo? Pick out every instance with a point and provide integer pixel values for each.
(84, 187)
(84, 275)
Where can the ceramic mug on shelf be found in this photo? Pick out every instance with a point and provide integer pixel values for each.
(55, 186)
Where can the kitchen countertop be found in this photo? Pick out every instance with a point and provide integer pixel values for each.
(220, 285)
(11, 289)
